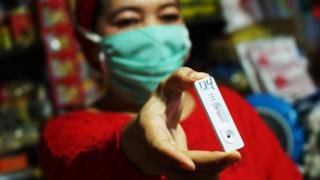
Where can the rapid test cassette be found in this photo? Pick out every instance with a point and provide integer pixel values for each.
(218, 114)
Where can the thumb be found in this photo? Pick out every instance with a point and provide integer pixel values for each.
(216, 162)
(170, 92)
(179, 81)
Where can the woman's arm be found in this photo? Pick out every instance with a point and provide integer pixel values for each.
(86, 145)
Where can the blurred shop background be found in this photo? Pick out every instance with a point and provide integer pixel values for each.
(267, 50)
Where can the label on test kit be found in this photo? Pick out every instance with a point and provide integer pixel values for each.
(218, 114)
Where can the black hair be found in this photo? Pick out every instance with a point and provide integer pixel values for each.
(97, 11)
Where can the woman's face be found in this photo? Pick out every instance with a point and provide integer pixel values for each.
(122, 15)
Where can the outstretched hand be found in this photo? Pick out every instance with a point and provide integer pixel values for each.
(156, 143)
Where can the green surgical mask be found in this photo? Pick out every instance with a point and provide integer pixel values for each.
(137, 60)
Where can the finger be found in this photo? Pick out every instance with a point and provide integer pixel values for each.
(170, 156)
(165, 148)
(181, 80)
(213, 161)
(179, 137)
(173, 113)
(160, 139)
(170, 92)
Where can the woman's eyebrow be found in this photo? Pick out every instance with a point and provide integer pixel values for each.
(171, 4)
(119, 10)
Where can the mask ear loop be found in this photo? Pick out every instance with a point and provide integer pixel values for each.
(96, 39)
(101, 77)
(102, 61)
(93, 37)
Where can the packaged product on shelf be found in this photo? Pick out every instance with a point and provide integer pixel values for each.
(68, 93)
(72, 84)
(239, 14)
(58, 42)
(1, 11)
(312, 148)
(16, 130)
(40, 106)
(5, 36)
(63, 68)
(316, 8)
(203, 9)
(24, 108)
(22, 26)
(53, 16)
(275, 65)
(19, 125)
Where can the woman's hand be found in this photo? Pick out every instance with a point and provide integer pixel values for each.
(156, 143)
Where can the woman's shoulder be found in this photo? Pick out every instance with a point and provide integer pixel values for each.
(75, 131)
(86, 115)
(83, 120)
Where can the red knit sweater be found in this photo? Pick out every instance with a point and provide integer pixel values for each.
(85, 145)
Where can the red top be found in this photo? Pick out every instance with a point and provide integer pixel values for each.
(85, 145)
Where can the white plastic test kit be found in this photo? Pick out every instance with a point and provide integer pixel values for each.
(218, 114)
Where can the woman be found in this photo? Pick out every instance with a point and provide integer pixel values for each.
(150, 124)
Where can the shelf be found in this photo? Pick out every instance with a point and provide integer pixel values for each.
(23, 174)
(23, 63)
(19, 51)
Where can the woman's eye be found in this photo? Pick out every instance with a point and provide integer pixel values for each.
(170, 18)
(123, 23)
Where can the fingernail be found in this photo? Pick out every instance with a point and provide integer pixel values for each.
(188, 165)
(235, 157)
(236, 154)
(198, 75)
